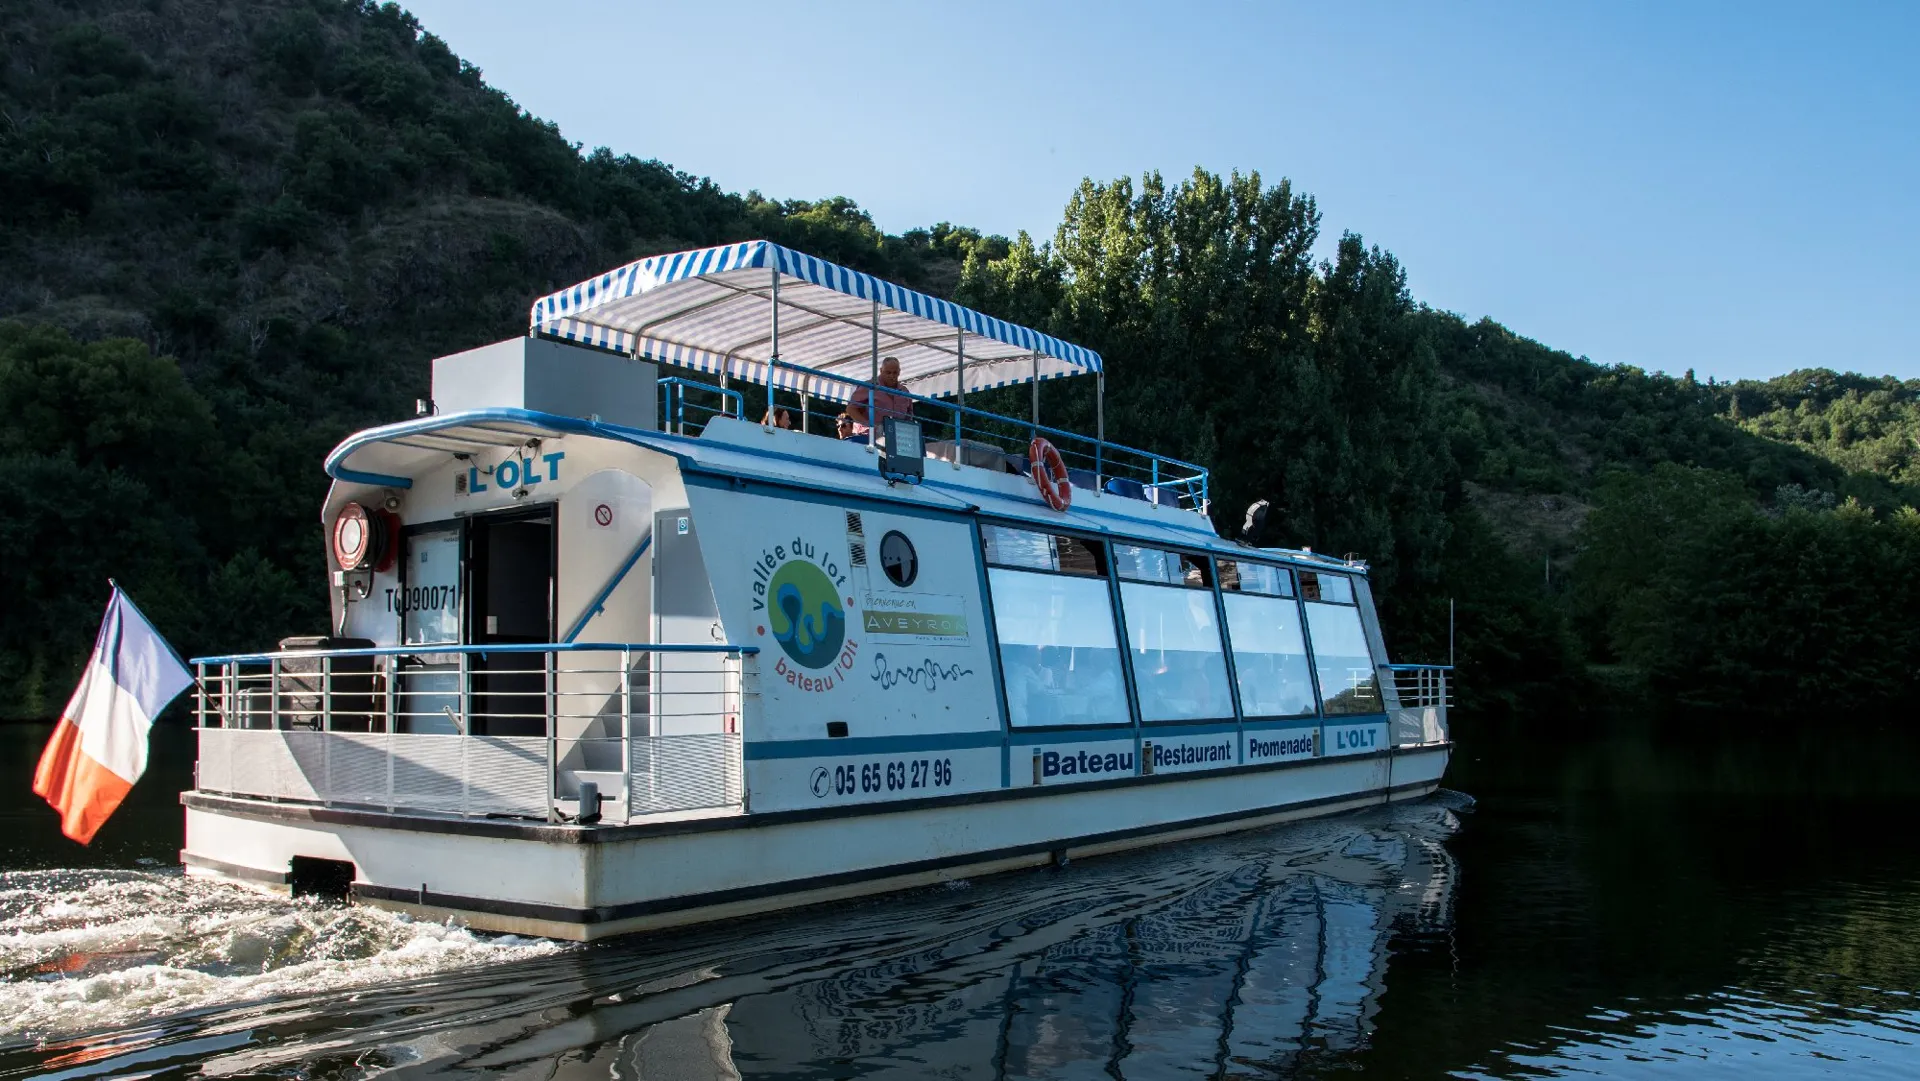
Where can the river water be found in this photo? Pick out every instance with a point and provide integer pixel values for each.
(1745, 905)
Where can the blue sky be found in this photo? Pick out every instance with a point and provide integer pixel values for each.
(1725, 187)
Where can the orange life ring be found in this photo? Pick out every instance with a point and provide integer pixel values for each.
(1050, 473)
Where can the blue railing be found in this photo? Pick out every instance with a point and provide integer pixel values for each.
(674, 404)
(1093, 461)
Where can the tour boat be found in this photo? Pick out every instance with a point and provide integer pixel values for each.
(608, 654)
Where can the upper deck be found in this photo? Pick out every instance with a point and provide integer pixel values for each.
(754, 327)
(779, 322)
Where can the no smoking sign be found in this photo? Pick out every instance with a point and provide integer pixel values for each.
(603, 515)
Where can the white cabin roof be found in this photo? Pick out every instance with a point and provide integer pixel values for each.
(714, 310)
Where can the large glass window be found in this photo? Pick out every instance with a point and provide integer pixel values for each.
(1239, 577)
(1040, 551)
(1058, 650)
(1340, 658)
(1177, 664)
(1329, 588)
(1269, 655)
(1153, 565)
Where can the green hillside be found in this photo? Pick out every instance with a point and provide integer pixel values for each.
(230, 234)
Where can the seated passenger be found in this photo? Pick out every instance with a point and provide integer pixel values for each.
(843, 427)
(778, 417)
(1034, 693)
(885, 403)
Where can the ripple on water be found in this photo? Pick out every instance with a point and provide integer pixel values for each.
(86, 950)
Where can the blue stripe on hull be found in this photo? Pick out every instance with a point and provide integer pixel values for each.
(859, 745)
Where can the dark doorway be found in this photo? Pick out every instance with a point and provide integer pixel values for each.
(511, 587)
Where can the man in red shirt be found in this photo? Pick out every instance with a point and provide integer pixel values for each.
(886, 403)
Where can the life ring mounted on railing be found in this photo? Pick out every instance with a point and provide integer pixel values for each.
(1050, 473)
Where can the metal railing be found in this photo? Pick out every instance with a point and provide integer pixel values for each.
(532, 731)
(675, 405)
(974, 437)
(1424, 692)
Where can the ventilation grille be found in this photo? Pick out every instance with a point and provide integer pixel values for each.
(854, 528)
(857, 554)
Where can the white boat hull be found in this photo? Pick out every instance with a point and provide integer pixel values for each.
(586, 883)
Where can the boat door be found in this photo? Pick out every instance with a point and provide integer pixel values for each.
(510, 590)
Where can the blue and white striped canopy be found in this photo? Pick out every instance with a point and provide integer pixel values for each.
(712, 310)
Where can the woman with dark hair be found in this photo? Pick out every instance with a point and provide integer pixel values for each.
(778, 417)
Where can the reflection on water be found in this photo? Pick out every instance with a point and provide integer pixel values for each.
(1247, 951)
(1252, 950)
(1617, 909)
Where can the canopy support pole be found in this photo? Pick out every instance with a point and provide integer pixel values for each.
(873, 380)
(1099, 422)
(803, 408)
(1034, 432)
(774, 338)
(959, 393)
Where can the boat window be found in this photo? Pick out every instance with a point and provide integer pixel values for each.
(1328, 588)
(1058, 650)
(1239, 577)
(429, 595)
(1040, 551)
(1177, 662)
(1348, 682)
(1153, 565)
(1269, 654)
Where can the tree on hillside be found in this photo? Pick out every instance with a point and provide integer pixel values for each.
(1309, 386)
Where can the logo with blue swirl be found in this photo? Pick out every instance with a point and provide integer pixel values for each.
(806, 617)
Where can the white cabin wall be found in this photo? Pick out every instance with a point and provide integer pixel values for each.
(599, 522)
(373, 618)
(879, 680)
(877, 677)
(695, 693)
(575, 475)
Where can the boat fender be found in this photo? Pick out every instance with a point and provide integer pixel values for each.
(365, 538)
(1050, 473)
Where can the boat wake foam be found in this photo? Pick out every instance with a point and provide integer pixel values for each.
(86, 950)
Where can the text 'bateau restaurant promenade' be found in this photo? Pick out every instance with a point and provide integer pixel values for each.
(657, 663)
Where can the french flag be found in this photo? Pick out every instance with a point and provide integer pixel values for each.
(99, 748)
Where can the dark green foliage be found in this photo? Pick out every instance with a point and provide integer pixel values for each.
(1547, 420)
(1868, 427)
(102, 451)
(1726, 608)
(112, 405)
